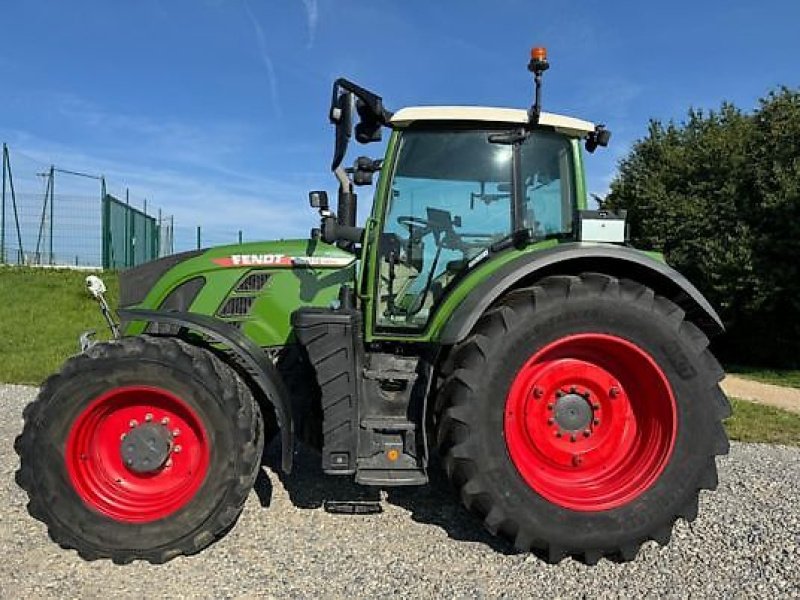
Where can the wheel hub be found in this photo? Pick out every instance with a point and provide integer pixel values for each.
(146, 447)
(590, 421)
(137, 453)
(573, 413)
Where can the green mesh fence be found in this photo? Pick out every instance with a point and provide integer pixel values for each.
(130, 237)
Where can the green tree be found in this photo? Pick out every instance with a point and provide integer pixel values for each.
(719, 194)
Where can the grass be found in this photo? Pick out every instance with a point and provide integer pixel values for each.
(787, 378)
(753, 422)
(42, 313)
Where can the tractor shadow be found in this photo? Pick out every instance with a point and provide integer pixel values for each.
(433, 504)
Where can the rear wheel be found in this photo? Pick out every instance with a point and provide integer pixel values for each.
(582, 417)
(143, 448)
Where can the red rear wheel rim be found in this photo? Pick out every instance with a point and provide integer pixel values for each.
(95, 463)
(590, 421)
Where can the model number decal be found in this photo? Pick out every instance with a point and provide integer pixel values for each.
(281, 260)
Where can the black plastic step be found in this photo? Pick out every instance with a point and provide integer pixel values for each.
(387, 424)
(391, 477)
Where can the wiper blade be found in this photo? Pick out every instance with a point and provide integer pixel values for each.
(508, 137)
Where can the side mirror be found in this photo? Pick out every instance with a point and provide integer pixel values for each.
(599, 137)
(368, 129)
(318, 199)
(341, 115)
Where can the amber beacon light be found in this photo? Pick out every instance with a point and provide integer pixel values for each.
(539, 53)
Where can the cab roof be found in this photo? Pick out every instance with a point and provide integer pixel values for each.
(413, 114)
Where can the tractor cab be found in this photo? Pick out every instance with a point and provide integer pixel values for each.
(466, 184)
(458, 185)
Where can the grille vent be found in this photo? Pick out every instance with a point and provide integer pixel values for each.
(254, 282)
(236, 307)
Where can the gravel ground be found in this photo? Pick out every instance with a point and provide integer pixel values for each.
(746, 543)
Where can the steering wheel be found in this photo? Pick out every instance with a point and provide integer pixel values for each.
(417, 226)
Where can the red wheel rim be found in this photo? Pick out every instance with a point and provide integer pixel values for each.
(99, 473)
(590, 421)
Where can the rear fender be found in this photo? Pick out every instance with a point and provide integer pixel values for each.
(574, 258)
(249, 357)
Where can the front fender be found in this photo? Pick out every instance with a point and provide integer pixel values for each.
(574, 258)
(248, 355)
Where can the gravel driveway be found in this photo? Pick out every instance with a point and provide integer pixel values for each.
(746, 543)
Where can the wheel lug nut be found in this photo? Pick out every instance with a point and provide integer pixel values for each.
(573, 389)
(549, 407)
(595, 406)
(177, 448)
(550, 421)
(165, 421)
(596, 421)
(613, 392)
(148, 417)
(123, 436)
(133, 423)
(573, 437)
(586, 395)
(538, 392)
(586, 433)
(168, 463)
(558, 434)
(176, 432)
(559, 393)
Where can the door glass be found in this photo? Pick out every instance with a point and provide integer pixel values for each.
(549, 202)
(450, 199)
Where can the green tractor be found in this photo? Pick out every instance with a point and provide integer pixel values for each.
(481, 313)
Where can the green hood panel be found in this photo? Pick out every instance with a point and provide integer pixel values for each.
(296, 273)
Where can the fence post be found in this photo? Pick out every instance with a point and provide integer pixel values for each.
(20, 251)
(158, 237)
(146, 244)
(3, 213)
(127, 229)
(37, 254)
(106, 225)
(52, 212)
(198, 237)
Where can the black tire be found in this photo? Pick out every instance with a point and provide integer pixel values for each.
(209, 387)
(477, 379)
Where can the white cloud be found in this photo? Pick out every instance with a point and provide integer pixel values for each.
(312, 17)
(269, 67)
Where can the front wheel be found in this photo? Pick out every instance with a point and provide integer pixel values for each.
(141, 448)
(582, 417)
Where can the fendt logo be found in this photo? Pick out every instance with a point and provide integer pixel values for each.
(281, 260)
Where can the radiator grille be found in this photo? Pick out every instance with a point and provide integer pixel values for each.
(254, 282)
(237, 307)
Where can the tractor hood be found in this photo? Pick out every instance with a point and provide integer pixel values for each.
(154, 280)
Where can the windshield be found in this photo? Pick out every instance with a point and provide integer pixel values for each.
(451, 199)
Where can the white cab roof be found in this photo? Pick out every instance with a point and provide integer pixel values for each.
(568, 125)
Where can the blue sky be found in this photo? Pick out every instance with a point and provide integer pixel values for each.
(216, 110)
